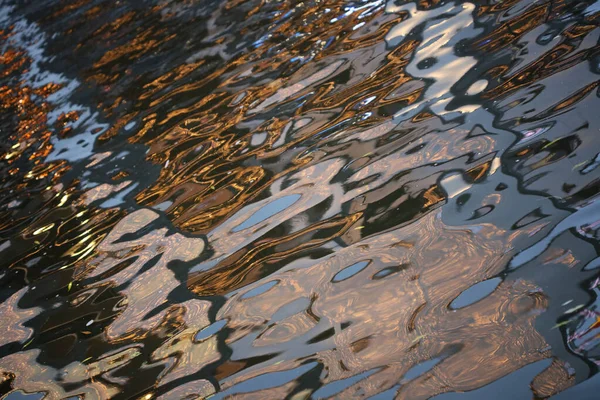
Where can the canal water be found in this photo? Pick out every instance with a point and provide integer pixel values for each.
(283, 199)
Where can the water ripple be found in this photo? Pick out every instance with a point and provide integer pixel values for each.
(284, 199)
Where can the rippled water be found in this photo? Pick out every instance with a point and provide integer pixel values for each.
(272, 199)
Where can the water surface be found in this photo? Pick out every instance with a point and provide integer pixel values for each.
(268, 199)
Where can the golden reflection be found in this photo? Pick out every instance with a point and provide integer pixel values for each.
(217, 196)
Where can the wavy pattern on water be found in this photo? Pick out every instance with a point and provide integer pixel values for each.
(282, 199)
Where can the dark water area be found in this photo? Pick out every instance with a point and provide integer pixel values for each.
(272, 199)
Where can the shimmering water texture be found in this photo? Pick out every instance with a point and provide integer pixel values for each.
(269, 199)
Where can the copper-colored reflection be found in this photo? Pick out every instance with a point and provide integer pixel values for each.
(324, 199)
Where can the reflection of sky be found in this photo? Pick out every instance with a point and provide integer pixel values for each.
(411, 374)
(77, 146)
(476, 293)
(350, 271)
(266, 381)
(435, 59)
(339, 385)
(436, 63)
(577, 219)
(18, 395)
(210, 330)
(512, 386)
(272, 208)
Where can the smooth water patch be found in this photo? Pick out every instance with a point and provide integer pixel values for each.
(475, 293)
(350, 271)
(269, 210)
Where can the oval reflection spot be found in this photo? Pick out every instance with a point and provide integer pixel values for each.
(389, 271)
(482, 212)
(475, 293)
(20, 395)
(259, 290)
(270, 209)
(289, 309)
(210, 330)
(350, 271)
(477, 87)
